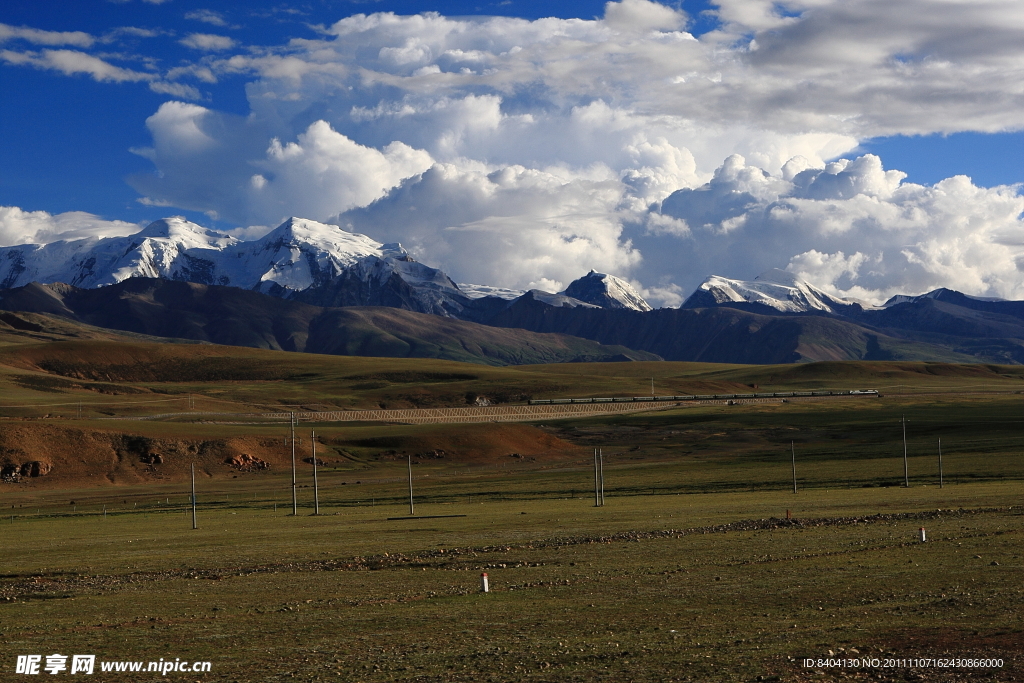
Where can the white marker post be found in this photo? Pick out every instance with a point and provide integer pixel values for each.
(316, 488)
(600, 468)
(940, 463)
(597, 490)
(924, 537)
(484, 585)
(193, 469)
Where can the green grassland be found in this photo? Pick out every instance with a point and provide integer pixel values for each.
(646, 588)
(134, 378)
(690, 571)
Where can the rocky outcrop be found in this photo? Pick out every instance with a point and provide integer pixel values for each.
(12, 472)
(247, 463)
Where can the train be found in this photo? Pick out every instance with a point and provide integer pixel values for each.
(703, 397)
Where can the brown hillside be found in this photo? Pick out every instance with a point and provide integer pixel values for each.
(39, 455)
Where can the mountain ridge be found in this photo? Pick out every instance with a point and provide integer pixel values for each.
(784, 319)
(238, 317)
(316, 263)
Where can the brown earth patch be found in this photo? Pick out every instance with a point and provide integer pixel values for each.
(71, 457)
(248, 463)
(52, 456)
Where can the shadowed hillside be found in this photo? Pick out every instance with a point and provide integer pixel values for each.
(231, 316)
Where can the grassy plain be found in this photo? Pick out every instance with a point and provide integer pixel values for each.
(647, 588)
(689, 572)
(129, 379)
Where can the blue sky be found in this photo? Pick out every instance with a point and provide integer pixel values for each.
(662, 143)
(67, 140)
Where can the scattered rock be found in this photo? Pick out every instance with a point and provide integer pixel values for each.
(14, 472)
(247, 463)
(36, 468)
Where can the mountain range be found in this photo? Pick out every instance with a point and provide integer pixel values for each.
(186, 311)
(304, 260)
(317, 278)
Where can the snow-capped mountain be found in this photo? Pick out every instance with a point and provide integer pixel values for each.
(163, 249)
(775, 289)
(296, 256)
(606, 291)
(558, 300)
(293, 256)
(300, 259)
(940, 294)
(480, 291)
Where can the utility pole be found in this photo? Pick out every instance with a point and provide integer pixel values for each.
(193, 467)
(600, 467)
(792, 446)
(412, 508)
(295, 497)
(597, 484)
(316, 488)
(940, 462)
(906, 467)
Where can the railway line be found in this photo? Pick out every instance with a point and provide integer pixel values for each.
(541, 409)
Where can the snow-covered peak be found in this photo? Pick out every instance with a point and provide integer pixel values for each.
(417, 274)
(901, 299)
(558, 300)
(606, 291)
(393, 250)
(298, 233)
(779, 277)
(184, 233)
(941, 293)
(480, 291)
(776, 289)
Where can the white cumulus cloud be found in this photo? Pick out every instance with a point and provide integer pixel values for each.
(223, 164)
(511, 227)
(851, 227)
(18, 226)
(207, 16)
(74, 62)
(41, 37)
(208, 42)
(515, 152)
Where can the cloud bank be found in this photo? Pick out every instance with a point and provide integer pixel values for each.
(851, 227)
(39, 227)
(525, 152)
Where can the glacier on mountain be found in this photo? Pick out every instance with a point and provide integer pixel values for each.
(606, 291)
(294, 256)
(301, 259)
(775, 289)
